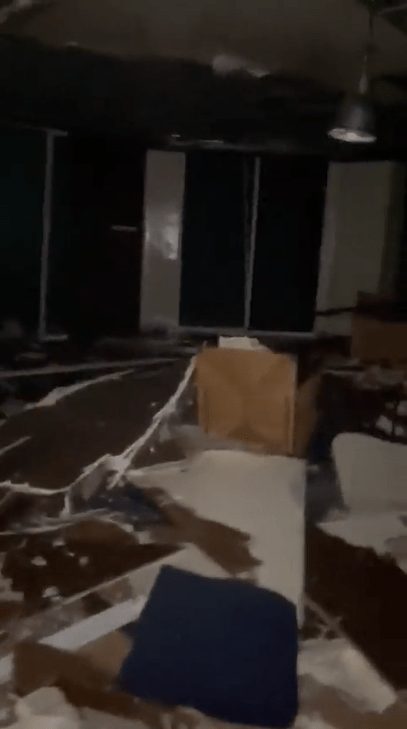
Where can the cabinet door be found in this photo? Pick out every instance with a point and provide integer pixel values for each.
(22, 169)
(288, 240)
(213, 240)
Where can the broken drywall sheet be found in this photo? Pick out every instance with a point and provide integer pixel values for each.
(336, 663)
(385, 533)
(371, 472)
(85, 631)
(257, 495)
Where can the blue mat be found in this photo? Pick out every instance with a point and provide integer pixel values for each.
(224, 647)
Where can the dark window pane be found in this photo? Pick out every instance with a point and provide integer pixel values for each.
(213, 241)
(22, 155)
(289, 231)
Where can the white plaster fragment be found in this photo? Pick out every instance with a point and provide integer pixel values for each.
(39, 561)
(312, 721)
(25, 488)
(7, 592)
(371, 472)
(60, 392)
(46, 708)
(336, 663)
(145, 538)
(385, 424)
(51, 592)
(13, 445)
(246, 343)
(377, 531)
(83, 561)
(66, 509)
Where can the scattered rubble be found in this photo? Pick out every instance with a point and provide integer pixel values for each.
(85, 506)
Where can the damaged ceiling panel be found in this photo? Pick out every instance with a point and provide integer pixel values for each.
(263, 76)
(316, 39)
(16, 11)
(72, 88)
(171, 102)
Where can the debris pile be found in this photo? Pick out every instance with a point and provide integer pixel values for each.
(153, 535)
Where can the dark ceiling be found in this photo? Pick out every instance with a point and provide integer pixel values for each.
(72, 88)
(178, 103)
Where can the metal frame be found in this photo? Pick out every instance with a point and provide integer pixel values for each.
(245, 329)
(46, 234)
(252, 248)
(249, 274)
(328, 241)
(242, 331)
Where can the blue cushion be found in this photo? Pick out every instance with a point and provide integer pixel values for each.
(224, 647)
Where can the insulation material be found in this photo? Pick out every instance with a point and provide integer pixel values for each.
(336, 663)
(371, 472)
(85, 427)
(125, 459)
(13, 445)
(60, 392)
(257, 495)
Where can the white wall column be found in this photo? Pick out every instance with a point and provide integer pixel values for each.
(161, 265)
(362, 227)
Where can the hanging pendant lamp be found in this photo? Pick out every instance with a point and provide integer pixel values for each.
(355, 122)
